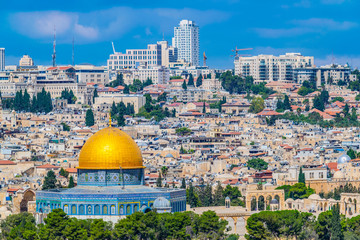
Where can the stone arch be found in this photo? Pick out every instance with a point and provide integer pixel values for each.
(261, 203)
(28, 195)
(253, 204)
(241, 226)
(268, 200)
(231, 224)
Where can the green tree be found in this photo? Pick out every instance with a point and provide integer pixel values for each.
(118, 82)
(234, 194)
(257, 105)
(183, 131)
(159, 181)
(65, 127)
(19, 226)
(301, 176)
(335, 230)
(71, 182)
(55, 224)
(95, 95)
(64, 173)
(219, 199)
(183, 184)
(351, 153)
(126, 89)
(199, 80)
(192, 197)
(323, 225)
(89, 118)
(287, 104)
(184, 86)
(257, 163)
(26, 104)
(318, 103)
(49, 181)
(191, 80)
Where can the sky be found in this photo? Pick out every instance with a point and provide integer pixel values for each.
(325, 29)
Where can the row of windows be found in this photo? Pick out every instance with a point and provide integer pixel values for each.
(101, 209)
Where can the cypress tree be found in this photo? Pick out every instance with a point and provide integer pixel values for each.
(184, 86)
(89, 118)
(191, 80)
(199, 81)
(204, 108)
(159, 181)
(219, 199)
(336, 233)
(126, 89)
(95, 95)
(26, 101)
(183, 183)
(301, 176)
(71, 182)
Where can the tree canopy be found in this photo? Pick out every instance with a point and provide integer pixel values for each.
(257, 163)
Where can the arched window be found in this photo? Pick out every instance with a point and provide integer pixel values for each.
(136, 208)
(89, 210)
(97, 210)
(121, 210)
(105, 209)
(128, 209)
(73, 209)
(81, 210)
(112, 210)
(66, 209)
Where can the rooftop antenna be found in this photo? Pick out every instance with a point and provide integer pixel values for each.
(73, 52)
(54, 46)
(163, 36)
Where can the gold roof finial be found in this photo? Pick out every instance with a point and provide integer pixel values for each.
(109, 119)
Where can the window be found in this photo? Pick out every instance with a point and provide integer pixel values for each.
(105, 209)
(66, 209)
(112, 209)
(128, 209)
(73, 209)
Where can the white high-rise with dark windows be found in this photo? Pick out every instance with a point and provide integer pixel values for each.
(186, 40)
(2, 59)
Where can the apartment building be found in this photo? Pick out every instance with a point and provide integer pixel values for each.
(268, 68)
(329, 74)
(186, 40)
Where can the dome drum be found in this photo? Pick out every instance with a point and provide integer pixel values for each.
(112, 177)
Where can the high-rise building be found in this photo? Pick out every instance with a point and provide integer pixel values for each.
(186, 40)
(2, 59)
(268, 68)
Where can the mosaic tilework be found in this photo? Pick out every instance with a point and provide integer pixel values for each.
(110, 177)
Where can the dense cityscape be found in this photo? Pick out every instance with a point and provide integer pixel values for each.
(156, 144)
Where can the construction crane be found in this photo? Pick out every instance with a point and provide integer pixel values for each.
(237, 50)
(112, 43)
(205, 58)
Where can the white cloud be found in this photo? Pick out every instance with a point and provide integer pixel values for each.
(106, 24)
(301, 27)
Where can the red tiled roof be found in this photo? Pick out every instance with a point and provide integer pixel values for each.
(268, 112)
(13, 189)
(59, 68)
(71, 170)
(7, 162)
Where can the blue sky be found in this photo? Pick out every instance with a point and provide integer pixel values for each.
(326, 29)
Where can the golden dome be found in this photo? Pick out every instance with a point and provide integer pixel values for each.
(110, 148)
